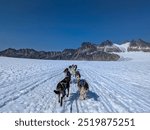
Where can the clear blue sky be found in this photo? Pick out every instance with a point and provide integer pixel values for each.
(58, 24)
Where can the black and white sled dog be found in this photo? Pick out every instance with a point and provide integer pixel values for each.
(73, 69)
(62, 86)
(83, 87)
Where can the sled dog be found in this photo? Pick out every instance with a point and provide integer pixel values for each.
(61, 88)
(83, 87)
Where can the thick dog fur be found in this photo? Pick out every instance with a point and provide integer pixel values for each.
(83, 87)
(62, 86)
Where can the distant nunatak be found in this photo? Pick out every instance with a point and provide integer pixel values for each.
(105, 51)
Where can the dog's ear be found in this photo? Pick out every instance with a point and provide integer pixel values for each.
(57, 92)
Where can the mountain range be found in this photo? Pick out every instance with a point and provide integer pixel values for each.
(105, 51)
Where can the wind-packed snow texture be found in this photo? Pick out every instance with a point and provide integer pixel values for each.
(26, 85)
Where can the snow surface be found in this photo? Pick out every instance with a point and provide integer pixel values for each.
(123, 47)
(26, 85)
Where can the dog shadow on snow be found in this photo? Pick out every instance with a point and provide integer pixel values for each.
(75, 96)
(93, 95)
(90, 95)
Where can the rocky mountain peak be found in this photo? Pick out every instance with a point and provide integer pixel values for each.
(139, 45)
(106, 43)
(87, 46)
(87, 51)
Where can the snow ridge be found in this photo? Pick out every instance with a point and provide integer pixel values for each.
(123, 47)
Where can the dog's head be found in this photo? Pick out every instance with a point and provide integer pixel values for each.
(66, 70)
(78, 77)
(70, 67)
(75, 66)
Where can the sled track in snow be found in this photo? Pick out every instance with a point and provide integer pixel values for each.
(27, 86)
(26, 89)
(111, 94)
(70, 104)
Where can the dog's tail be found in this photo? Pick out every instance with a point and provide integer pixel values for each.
(57, 92)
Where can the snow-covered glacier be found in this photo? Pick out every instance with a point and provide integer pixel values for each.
(26, 85)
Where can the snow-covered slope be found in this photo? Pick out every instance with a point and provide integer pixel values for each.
(123, 47)
(27, 85)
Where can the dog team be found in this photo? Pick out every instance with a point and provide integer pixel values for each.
(64, 85)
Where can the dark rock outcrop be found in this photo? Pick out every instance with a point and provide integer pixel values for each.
(139, 45)
(87, 51)
(97, 56)
(107, 46)
(28, 53)
(106, 43)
